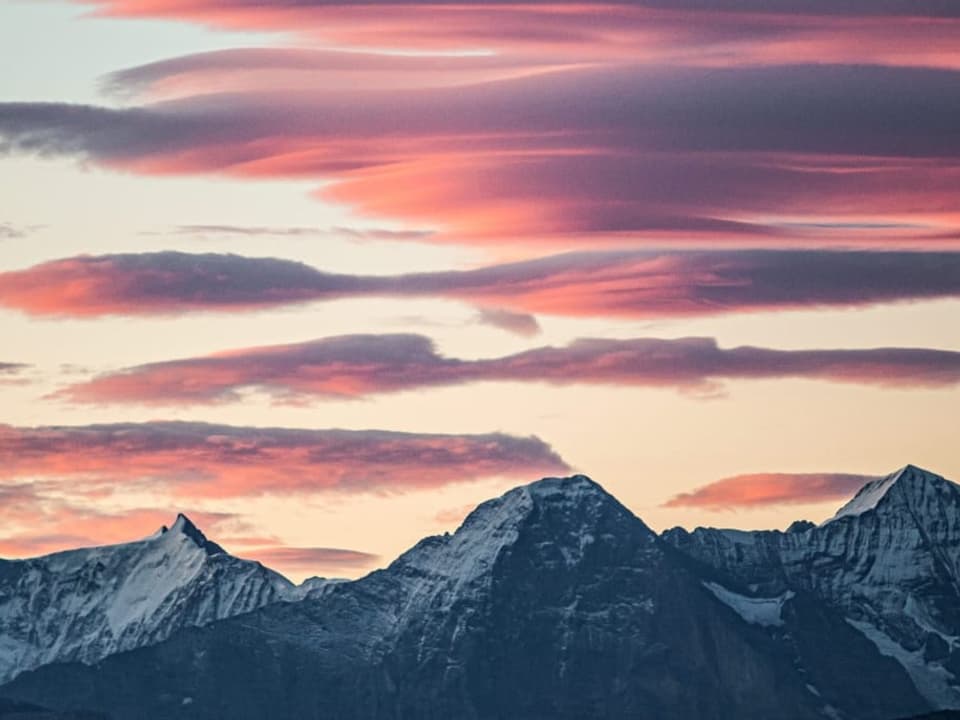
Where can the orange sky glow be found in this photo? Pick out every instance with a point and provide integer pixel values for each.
(326, 274)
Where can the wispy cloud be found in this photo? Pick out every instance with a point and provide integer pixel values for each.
(14, 373)
(9, 231)
(299, 69)
(299, 232)
(686, 31)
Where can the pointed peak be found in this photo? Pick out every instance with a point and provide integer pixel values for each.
(915, 471)
(907, 481)
(915, 478)
(185, 526)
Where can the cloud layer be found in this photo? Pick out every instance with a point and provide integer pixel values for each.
(613, 283)
(197, 460)
(717, 31)
(355, 366)
(803, 152)
(570, 155)
(58, 484)
(770, 489)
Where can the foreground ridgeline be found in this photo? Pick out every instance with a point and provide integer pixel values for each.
(552, 602)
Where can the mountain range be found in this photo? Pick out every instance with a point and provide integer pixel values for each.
(552, 602)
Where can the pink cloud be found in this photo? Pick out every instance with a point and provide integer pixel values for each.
(771, 489)
(249, 70)
(676, 32)
(354, 366)
(196, 460)
(638, 284)
(582, 154)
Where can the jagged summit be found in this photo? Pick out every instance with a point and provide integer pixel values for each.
(91, 602)
(184, 526)
(910, 486)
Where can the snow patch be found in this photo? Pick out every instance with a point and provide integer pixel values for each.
(766, 612)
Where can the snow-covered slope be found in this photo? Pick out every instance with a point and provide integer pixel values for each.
(90, 603)
(870, 495)
(889, 560)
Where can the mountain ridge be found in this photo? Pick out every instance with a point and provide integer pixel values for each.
(889, 559)
(551, 601)
(89, 603)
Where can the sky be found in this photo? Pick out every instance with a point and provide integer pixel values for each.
(325, 275)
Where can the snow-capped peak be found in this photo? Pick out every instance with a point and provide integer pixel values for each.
(909, 481)
(566, 513)
(89, 603)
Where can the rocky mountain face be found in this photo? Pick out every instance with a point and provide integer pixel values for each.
(554, 602)
(888, 561)
(86, 604)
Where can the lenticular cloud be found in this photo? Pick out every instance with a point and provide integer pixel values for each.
(355, 366)
(198, 460)
(638, 284)
(769, 489)
(557, 153)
